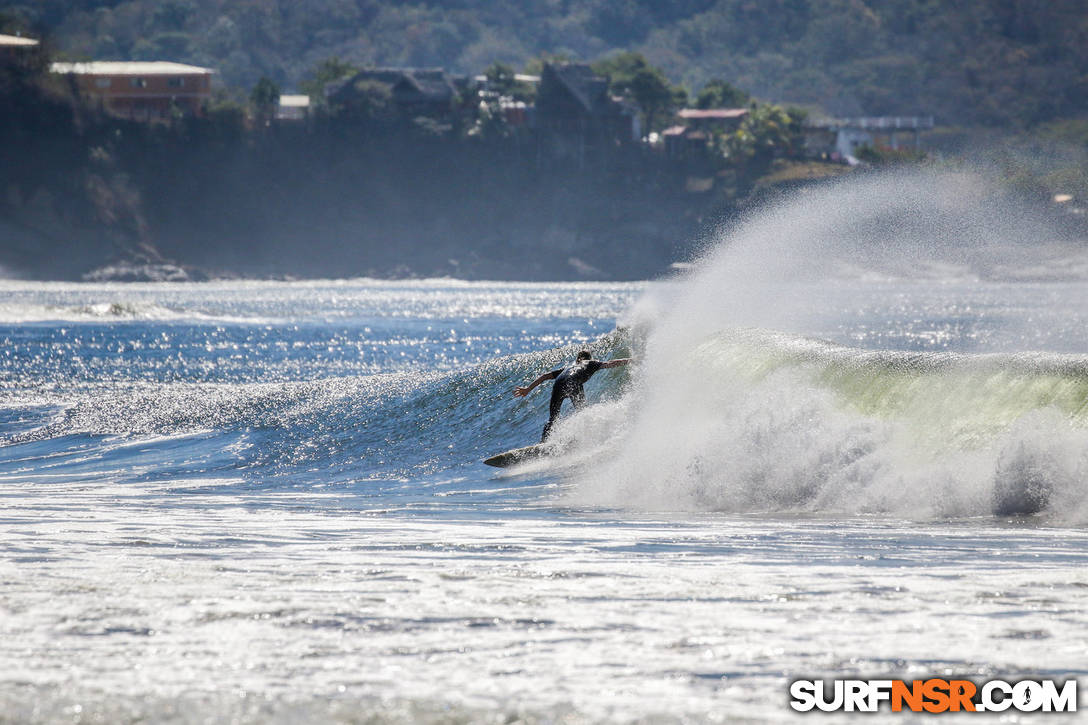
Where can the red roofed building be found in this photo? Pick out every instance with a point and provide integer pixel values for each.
(142, 91)
(692, 138)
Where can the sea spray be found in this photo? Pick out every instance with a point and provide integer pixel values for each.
(734, 408)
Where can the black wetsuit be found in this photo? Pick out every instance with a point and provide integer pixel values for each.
(568, 384)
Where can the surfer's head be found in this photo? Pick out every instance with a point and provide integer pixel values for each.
(584, 355)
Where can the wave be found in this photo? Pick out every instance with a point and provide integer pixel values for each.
(744, 421)
(724, 415)
(758, 421)
(332, 431)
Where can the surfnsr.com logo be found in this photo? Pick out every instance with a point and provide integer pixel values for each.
(933, 695)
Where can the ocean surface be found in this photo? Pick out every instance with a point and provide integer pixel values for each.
(263, 502)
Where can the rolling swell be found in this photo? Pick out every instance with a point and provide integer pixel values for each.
(751, 420)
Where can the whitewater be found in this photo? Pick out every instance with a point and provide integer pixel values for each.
(854, 443)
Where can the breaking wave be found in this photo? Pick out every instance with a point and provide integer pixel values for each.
(725, 415)
(754, 421)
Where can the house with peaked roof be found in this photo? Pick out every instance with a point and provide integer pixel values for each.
(414, 91)
(575, 114)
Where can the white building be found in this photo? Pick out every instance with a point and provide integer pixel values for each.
(293, 108)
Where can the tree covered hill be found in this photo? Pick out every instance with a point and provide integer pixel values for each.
(1010, 63)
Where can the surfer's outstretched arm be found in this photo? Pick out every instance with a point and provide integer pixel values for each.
(521, 392)
(618, 362)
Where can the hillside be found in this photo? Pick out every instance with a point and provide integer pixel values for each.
(1000, 63)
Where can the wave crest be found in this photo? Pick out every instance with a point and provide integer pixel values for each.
(755, 421)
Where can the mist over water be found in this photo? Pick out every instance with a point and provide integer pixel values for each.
(924, 227)
(958, 385)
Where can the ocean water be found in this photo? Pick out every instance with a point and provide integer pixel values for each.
(264, 502)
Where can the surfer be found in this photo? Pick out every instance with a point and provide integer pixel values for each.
(568, 384)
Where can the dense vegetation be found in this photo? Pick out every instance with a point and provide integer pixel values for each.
(981, 62)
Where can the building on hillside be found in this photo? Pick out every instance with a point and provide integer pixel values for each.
(293, 108)
(16, 50)
(694, 137)
(141, 91)
(841, 138)
(683, 142)
(575, 114)
(713, 119)
(428, 92)
(517, 114)
(12, 46)
(483, 83)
